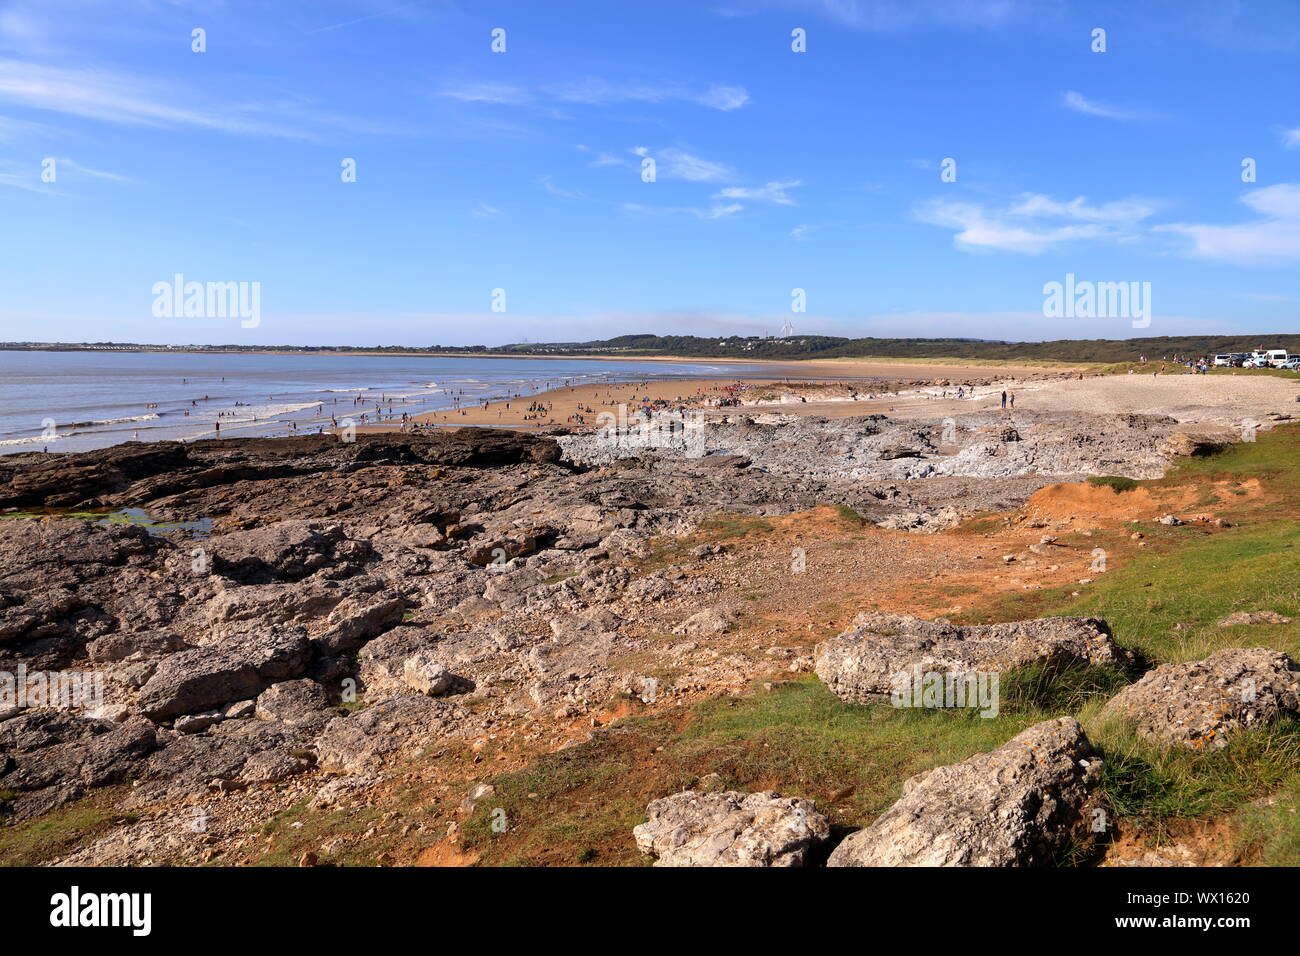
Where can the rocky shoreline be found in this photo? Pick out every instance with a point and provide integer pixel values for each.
(351, 605)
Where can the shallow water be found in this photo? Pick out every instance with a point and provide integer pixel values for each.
(74, 401)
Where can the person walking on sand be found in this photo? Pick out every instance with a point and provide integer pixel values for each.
(1013, 401)
(1004, 399)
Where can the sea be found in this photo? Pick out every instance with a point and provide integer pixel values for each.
(79, 400)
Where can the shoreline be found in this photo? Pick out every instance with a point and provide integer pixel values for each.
(938, 362)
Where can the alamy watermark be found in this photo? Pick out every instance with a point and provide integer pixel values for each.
(946, 689)
(676, 431)
(1098, 300)
(65, 690)
(208, 300)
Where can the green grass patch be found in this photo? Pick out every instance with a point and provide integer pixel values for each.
(1151, 785)
(1116, 483)
(59, 832)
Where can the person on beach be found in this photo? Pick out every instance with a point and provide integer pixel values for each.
(1004, 399)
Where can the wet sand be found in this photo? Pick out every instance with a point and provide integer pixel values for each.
(579, 405)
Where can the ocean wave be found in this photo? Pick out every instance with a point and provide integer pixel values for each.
(94, 423)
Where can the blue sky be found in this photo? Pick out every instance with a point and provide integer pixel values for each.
(522, 170)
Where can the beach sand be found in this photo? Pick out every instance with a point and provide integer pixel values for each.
(565, 405)
(577, 405)
(928, 390)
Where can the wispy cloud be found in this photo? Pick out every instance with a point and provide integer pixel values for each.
(675, 163)
(595, 91)
(555, 190)
(892, 15)
(1036, 204)
(712, 212)
(1077, 102)
(1271, 240)
(1291, 138)
(64, 164)
(772, 192)
(113, 97)
(489, 93)
(800, 233)
(1034, 222)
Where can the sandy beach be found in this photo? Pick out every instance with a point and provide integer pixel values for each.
(909, 391)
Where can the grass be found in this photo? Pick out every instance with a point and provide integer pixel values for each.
(1151, 786)
(54, 834)
(1116, 483)
(1162, 600)
(579, 805)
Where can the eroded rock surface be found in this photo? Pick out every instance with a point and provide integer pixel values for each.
(1200, 704)
(731, 829)
(865, 664)
(1019, 805)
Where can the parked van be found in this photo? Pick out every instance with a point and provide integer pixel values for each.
(1275, 357)
(1222, 360)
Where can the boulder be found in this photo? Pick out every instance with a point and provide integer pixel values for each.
(731, 829)
(863, 665)
(1253, 617)
(204, 678)
(377, 736)
(356, 621)
(427, 676)
(383, 660)
(706, 622)
(287, 551)
(1019, 805)
(1200, 704)
(297, 703)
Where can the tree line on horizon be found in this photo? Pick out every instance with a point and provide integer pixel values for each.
(793, 347)
(826, 346)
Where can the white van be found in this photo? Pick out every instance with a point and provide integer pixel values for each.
(1222, 360)
(1275, 357)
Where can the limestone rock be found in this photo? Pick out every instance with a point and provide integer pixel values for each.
(1018, 805)
(862, 665)
(1199, 704)
(731, 829)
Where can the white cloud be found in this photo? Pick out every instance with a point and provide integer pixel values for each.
(112, 97)
(606, 159)
(1036, 204)
(596, 91)
(485, 211)
(1079, 104)
(1032, 224)
(674, 163)
(724, 97)
(800, 233)
(66, 164)
(772, 192)
(555, 190)
(713, 212)
(1273, 239)
(888, 15)
(1291, 138)
(489, 93)
(721, 211)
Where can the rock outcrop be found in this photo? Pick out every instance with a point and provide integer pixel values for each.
(731, 829)
(1200, 704)
(1019, 805)
(864, 665)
